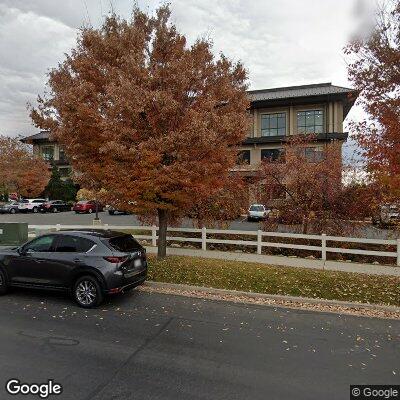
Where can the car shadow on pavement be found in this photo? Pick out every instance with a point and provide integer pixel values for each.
(58, 298)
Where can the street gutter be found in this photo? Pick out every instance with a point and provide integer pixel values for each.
(282, 301)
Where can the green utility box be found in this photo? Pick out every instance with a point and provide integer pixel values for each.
(13, 233)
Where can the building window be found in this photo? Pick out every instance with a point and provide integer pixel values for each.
(272, 155)
(243, 157)
(62, 156)
(273, 124)
(47, 153)
(311, 154)
(311, 121)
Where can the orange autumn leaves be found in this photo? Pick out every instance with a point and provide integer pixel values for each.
(374, 61)
(145, 116)
(20, 170)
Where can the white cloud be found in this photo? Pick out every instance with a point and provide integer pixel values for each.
(281, 42)
(30, 44)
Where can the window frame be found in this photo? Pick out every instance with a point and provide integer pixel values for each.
(302, 129)
(314, 154)
(269, 114)
(44, 155)
(244, 159)
(25, 248)
(61, 155)
(280, 158)
(60, 237)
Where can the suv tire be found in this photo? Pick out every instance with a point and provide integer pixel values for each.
(87, 292)
(3, 283)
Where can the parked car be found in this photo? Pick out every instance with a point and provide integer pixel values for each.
(54, 206)
(113, 211)
(86, 206)
(257, 212)
(10, 207)
(89, 264)
(388, 214)
(28, 205)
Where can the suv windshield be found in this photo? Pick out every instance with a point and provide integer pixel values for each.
(125, 243)
(256, 208)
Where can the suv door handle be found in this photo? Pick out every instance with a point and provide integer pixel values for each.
(77, 260)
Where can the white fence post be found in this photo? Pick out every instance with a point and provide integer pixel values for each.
(154, 236)
(259, 241)
(323, 246)
(398, 252)
(58, 227)
(204, 238)
(105, 227)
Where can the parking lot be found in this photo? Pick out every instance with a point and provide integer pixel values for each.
(71, 218)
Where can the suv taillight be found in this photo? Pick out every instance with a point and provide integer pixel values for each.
(115, 259)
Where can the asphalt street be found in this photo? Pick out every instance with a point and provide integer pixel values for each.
(156, 346)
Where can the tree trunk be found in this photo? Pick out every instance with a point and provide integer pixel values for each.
(304, 225)
(162, 233)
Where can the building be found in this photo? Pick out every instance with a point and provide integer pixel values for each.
(276, 114)
(50, 151)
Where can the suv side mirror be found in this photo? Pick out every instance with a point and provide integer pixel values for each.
(23, 251)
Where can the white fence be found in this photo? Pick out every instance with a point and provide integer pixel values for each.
(257, 243)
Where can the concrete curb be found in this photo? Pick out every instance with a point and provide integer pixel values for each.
(282, 298)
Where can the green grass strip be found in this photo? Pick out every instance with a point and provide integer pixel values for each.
(252, 277)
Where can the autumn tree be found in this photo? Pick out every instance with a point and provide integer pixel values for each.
(307, 178)
(374, 69)
(224, 205)
(20, 170)
(142, 114)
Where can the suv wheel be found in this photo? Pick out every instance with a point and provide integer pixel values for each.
(12, 211)
(90, 211)
(35, 209)
(3, 283)
(55, 210)
(87, 292)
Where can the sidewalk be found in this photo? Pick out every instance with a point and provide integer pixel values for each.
(370, 269)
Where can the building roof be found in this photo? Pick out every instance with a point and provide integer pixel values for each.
(42, 135)
(318, 89)
(274, 97)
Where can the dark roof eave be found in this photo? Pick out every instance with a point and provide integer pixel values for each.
(42, 136)
(322, 137)
(347, 98)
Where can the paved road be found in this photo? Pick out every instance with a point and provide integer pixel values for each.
(153, 346)
(70, 218)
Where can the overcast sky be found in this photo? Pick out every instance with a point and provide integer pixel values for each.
(281, 42)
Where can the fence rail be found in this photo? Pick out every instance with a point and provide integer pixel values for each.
(259, 243)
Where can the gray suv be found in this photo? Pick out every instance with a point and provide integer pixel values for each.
(9, 208)
(88, 264)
